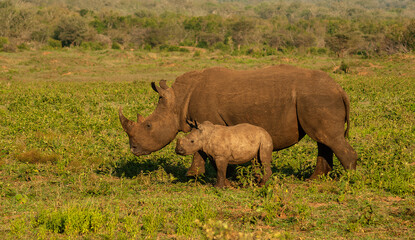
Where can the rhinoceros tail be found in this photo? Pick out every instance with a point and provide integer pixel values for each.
(346, 102)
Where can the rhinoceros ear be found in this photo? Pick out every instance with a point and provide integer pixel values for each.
(163, 84)
(160, 90)
(125, 122)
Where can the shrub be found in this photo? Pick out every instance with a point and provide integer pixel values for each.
(94, 46)
(3, 41)
(409, 36)
(196, 54)
(172, 48)
(9, 47)
(202, 44)
(54, 43)
(155, 37)
(40, 35)
(116, 45)
(71, 30)
(317, 51)
(344, 67)
(23, 46)
(222, 46)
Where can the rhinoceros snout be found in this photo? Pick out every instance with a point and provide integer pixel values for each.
(179, 148)
(138, 151)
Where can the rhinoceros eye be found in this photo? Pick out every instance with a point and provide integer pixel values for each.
(148, 125)
(192, 141)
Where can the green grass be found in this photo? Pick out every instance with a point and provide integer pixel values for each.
(66, 170)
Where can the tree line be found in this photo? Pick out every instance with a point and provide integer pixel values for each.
(244, 26)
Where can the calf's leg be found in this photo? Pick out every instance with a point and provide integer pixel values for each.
(265, 158)
(221, 165)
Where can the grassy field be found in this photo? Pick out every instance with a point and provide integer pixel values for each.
(66, 170)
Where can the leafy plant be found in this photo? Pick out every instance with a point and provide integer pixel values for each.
(249, 175)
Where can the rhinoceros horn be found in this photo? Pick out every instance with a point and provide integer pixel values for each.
(125, 122)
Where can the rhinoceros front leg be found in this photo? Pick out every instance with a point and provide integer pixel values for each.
(198, 164)
(221, 166)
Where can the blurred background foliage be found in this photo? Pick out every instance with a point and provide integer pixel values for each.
(356, 27)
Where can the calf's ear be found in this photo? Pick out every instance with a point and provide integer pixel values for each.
(192, 124)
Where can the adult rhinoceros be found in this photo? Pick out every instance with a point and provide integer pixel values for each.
(287, 101)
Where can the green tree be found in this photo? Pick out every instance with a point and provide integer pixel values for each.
(409, 36)
(242, 31)
(71, 30)
(339, 43)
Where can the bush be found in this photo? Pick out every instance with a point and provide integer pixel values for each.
(317, 51)
(222, 46)
(40, 35)
(94, 46)
(409, 36)
(196, 54)
(54, 43)
(23, 46)
(345, 67)
(173, 48)
(3, 41)
(202, 44)
(71, 30)
(9, 47)
(268, 51)
(116, 46)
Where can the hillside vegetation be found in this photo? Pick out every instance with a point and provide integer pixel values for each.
(365, 28)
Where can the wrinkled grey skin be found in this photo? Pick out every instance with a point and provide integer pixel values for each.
(288, 102)
(229, 145)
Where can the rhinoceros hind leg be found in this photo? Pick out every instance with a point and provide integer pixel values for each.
(324, 161)
(344, 152)
(198, 164)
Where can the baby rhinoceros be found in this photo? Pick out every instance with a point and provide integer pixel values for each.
(229, 145)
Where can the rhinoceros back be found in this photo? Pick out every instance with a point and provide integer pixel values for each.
(265, 97)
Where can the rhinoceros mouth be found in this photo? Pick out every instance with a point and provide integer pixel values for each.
(180, 151)
(140, 152)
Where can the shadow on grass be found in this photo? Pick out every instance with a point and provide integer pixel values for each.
(130, 167)
(302, 173)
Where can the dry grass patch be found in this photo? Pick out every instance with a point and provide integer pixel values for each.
(35, 156)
